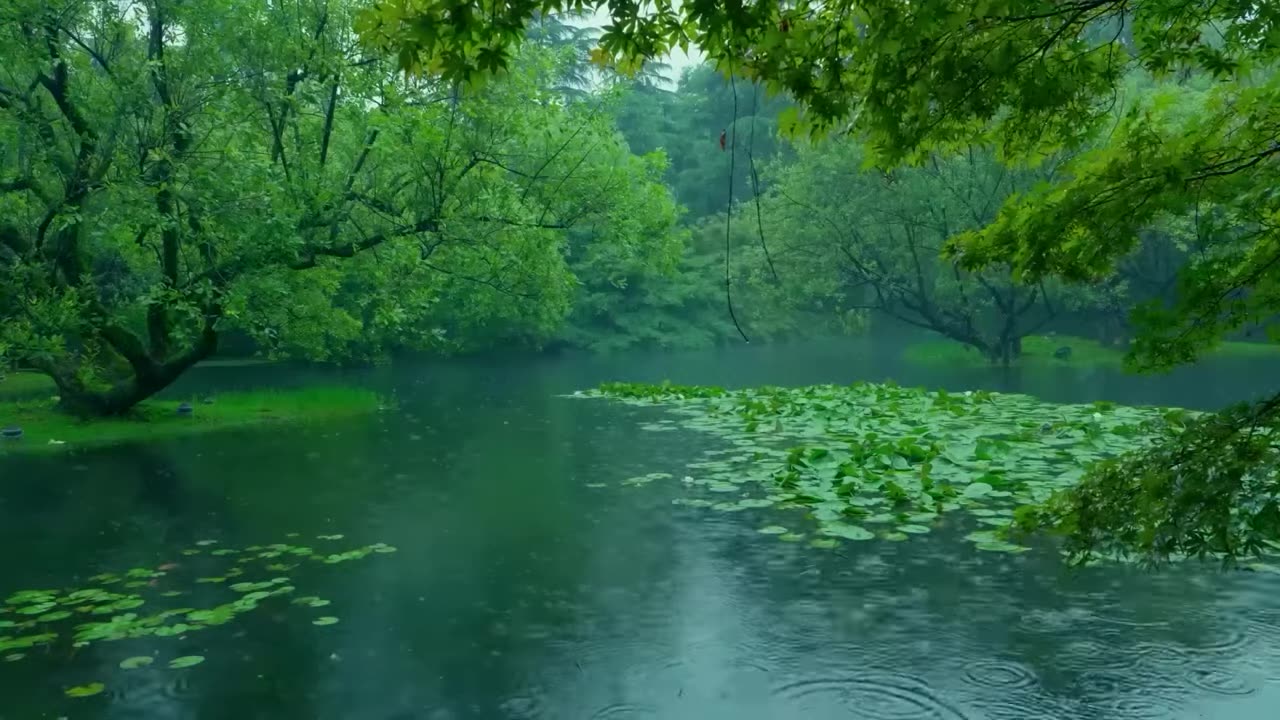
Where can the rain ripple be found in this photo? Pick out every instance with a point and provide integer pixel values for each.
(874, 696)
(1000, 674)
(1146, 707)
(622, 710)
(1221, 682)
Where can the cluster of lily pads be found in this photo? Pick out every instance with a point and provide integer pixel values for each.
(110, 609)
(880, 460)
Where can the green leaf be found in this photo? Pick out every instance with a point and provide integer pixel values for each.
(325, 621)
(185, 661)
(134, 663)
(848, 532)
(83, 691)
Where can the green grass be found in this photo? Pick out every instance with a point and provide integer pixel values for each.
(1037, 351)
(44, 428)
(20, 384)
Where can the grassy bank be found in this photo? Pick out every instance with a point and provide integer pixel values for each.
(1038, 350)
(44, 428)
(22, 384)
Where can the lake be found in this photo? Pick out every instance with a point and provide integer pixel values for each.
(523, 588)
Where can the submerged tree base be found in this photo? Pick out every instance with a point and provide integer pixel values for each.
(46, 428)
(1044, 351)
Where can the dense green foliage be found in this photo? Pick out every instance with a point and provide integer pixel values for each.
(170, 170)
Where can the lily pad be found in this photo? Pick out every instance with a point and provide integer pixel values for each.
(913, 529)
(772, 530)
(848, 532)
(325, 621)
(185, 661)
(134, 663)
(83, 691)
(977, 490)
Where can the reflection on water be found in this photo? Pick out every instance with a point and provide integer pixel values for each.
(520, 592)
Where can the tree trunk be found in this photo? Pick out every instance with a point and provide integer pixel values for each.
(78, 399)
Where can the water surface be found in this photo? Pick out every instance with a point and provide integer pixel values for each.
(520, 592)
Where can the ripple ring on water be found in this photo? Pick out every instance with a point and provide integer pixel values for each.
(1217, 681)
(623, 710)
(1008, 709)
(875, 696)
(1162, 655)
(1000, 674)
(1141, 708)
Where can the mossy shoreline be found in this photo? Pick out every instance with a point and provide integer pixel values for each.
(1038, 351)
(45, 429)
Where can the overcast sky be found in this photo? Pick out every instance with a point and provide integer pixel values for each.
(678, 60)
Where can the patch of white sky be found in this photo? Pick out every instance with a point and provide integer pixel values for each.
(676, 61)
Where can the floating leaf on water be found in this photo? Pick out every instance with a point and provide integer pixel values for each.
(1000, 547)
(791, 537)
(325, 621)
(206, 543)
(894, 536)
(14, 657)
(27, 597)
(311, 601)
(83, 691)
(211, 580)
(171, 593)
(185, 661)
(772, 530)
(849, 532)
(134, 663)
(977, 490)
(823, 543)
(54, 616)
(913, 529)
(596, 485)
(330, 537)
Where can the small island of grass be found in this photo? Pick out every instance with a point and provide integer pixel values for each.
(45, 428)
(1039, 351)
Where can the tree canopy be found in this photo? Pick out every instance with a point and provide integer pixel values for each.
(172, 170)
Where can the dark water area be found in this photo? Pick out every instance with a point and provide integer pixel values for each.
(521, 591)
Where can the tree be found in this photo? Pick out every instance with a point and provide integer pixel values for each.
(875, 238)
(170, 170)
(1033, 77)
